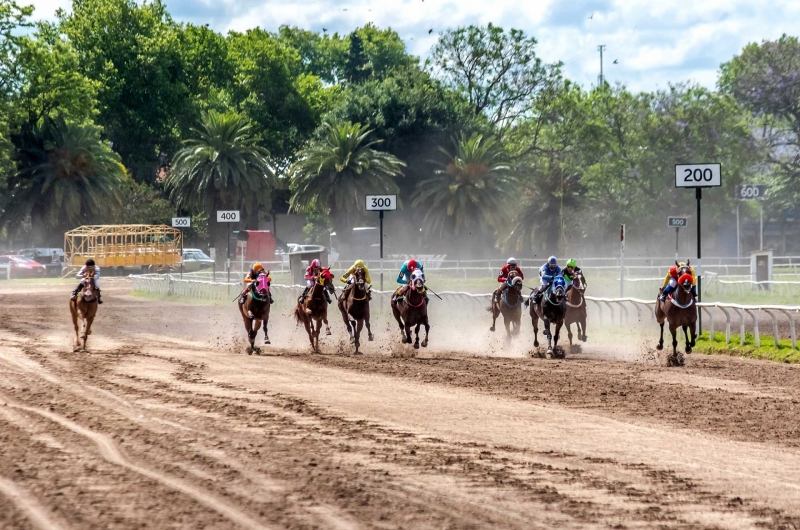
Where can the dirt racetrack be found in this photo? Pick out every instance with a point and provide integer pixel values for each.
(167, 424)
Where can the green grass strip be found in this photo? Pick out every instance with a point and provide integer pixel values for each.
(783, 352)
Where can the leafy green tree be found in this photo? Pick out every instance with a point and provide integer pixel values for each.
(13, 18)
(268, 90)
(765, 79)
(473, 192)
(385, 51)
(357, 67)
(220, 168)
(322, 56)
(205, 56)
(133, 51)
(498, 72)
(334, 172)
(67, 177)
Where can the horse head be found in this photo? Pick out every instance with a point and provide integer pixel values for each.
(262, 284)
(417, 283)
(685, 281)
(87, 293)
(325, 279)
(559, 288)
(578, 282)
(515, 282)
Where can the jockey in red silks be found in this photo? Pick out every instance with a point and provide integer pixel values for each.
(312, 272)
(502, 278)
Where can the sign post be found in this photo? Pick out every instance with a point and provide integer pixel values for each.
(677, 223)
(622, 261)
(381, 203)
(228, 216)
(698, 176)
(751, 192)
(181, 223)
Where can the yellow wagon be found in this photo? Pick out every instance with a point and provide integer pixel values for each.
(124, 248)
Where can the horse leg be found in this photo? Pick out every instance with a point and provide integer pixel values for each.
(549, 336)
(535, 322)
(507, 324)
(427, 329)
(74, 312)
(366, 323)
(317, 330)
(693, 331)
(256, 327)
(583, 328)
(558, 325)
(327, 327)
(416, 336)
(359, 327)
(407, 336)
(346, 318)
(266, 332)
(661, 340)
(495, 314)
(673, 330)
(686, 336)
(569, 332)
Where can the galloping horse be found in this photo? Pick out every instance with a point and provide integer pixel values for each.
(412, 311)
(510, 306)
(313, 311)
(255, 311)
(551, 309)
(83, 308)
(355, 308)
(576, 308)
(680, 310)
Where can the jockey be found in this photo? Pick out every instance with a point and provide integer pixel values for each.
(569, 272)
(510, 266)
(671, 281)
(250, 280)
(88, 268)
(312, 272)
(547, 273)
(405, 277)
(349, 279)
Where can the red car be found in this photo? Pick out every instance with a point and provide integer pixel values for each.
(22, 267)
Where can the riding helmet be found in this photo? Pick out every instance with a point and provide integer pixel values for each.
(315, 263)
(673, 271)
(258, 267)
(552, 261)
(90, 263)
(511, 261)
(412, 264)
(572, 263)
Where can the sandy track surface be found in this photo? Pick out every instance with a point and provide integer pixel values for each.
(166, 423)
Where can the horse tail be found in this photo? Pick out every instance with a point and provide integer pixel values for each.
(489, 309)
(299, 314)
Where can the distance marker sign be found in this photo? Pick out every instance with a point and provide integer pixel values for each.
(751, 192)
(228, 216)
(381, 202)
(677, 222)
(698, 175)
(181, 222)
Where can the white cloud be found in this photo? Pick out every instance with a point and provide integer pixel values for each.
(654, 42)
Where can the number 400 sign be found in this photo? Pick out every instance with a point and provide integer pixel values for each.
(698, 175)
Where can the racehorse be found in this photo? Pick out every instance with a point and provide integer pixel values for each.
(83, 309)
(411, 311)
(355, 308)
(576, 308)
(680, 310)
(313, 311)
(552, 309)
(510, 306)
(255, 311)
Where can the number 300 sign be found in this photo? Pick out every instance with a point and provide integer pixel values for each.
(381, 202)
(698, 175)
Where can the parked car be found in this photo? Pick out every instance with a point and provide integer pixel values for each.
(44, 255)
(22, 267)
(195, 259)
(295, 247)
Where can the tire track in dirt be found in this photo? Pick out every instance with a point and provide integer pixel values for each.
(27, 504)
(109, 451)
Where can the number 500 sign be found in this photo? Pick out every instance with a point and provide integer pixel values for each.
(698, 175)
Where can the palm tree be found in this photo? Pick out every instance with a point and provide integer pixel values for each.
(474, 189)
(66, 176)
(221, 168)
(334, 173)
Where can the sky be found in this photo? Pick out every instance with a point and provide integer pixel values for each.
(648, 44)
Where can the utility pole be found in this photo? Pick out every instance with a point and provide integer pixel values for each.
(601, 78)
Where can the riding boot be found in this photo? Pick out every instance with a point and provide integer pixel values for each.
(327, 297)
(99, 300)
(75, 293)
(271, 300)
(302, 296)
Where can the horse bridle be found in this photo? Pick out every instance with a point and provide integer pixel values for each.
(579, 290)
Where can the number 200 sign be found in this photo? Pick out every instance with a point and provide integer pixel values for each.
(381, 202)
(698, 175)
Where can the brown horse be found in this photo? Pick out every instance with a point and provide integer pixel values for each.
(551, 309)
(681, 312)
(412, 311)
(354, 306)
(313, 310)
(510, 306)
(576, 308)
(84, 309)
(255, 311)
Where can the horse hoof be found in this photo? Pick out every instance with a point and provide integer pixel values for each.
(328, 333)
(249, 351)
(267, 342)
(370, 337)
(689, 350)
(491, 329)
(416, 345)
(549, 354)
(425, 344)
(352, 340)
(536, 344)
(583, 339)
(660, 347)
